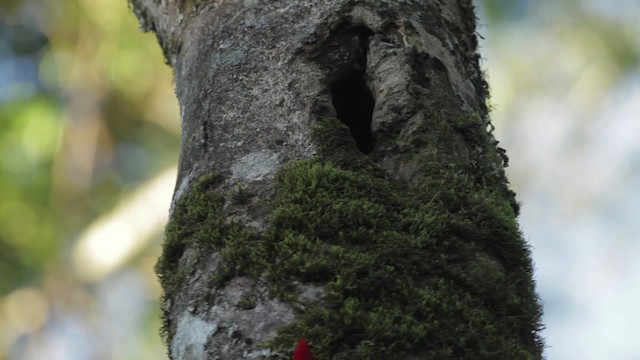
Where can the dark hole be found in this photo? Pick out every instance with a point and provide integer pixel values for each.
(353, 100)
(354, 103)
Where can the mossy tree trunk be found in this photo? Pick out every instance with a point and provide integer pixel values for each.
(338, 181)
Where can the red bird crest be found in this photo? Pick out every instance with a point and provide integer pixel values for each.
(303, 351)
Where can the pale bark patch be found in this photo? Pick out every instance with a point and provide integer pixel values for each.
(255, 166)
(191, 337)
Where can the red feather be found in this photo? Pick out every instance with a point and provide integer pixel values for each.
(303, 351)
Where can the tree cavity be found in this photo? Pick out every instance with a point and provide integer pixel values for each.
(352, 98)
(344, 58)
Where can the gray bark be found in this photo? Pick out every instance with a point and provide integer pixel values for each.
(253, 79)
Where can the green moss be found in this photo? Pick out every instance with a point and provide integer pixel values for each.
(438, 269)
(242, 195)
(432, 270)
(247, 302)
(197, 213)
(189, 4)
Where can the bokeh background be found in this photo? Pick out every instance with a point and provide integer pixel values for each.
(89, 140)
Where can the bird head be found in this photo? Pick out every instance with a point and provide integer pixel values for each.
(303, 351)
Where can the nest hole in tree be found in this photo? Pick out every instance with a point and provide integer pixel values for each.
(353, 100)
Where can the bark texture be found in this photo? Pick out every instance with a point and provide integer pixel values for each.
(338, 181)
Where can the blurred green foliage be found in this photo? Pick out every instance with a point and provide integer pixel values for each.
(80, 91)
(87, 112)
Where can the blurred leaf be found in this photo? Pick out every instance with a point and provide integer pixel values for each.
(504, 10)
(13, 269)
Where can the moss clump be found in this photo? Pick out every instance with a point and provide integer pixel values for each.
(195, 216)
(436, 270)
(197, 219)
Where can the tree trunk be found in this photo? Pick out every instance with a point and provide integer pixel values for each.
(338, 181)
